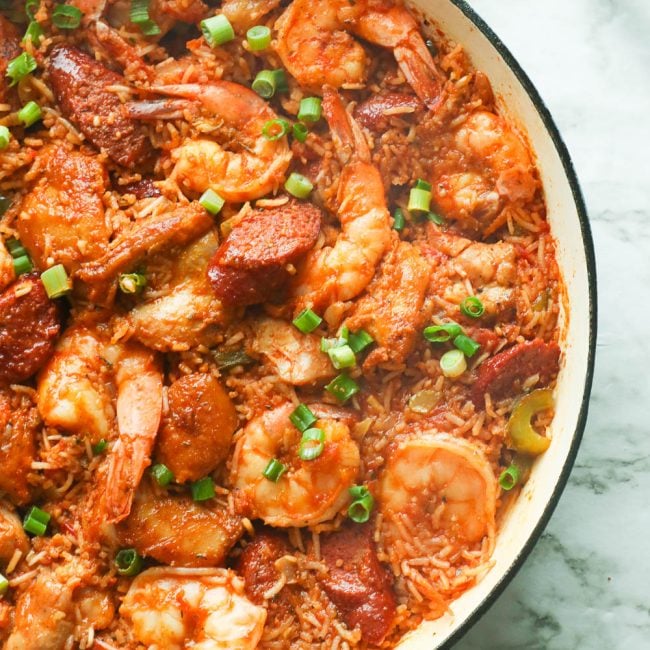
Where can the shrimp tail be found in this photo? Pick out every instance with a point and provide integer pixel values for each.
(347, 134)
(157, 109)
(420, 71)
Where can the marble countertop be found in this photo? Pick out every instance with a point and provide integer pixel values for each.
(586, 585)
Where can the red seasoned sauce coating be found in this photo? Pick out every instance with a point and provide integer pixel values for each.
(357, 584)
(29, 325)
(144, 189)
(79, 84)
(502, 375)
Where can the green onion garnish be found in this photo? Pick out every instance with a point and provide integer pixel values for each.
(99, 447)
(472, 307)
(149, 28)
(56, 281)
(422, 185)
(310, 109)
(275, 129)
(308, 450)
(258, 37)
(359, 341)
(128, 562)
(435, 218)
(5, 203)
(33, 33)
(274, 470)
(342, 356)
(307, 321)
(211, 201)
(15, 248)
(342, 388)
(36, 521)
(362, 504)
(31, 7)
(300, 132)
(268, 82)
(217, 30)
(298, 186)
(163, 475)
(302, 417)
(5, 137)
(327, 344)
(30, 113)
(22, 265)
(132, 282)
(466, 345)
(419, 200)
(509, 478)
(442, 333)
(20, 67)
(453, 364)
(66, 17)
(398, 220)
(203, 489)
(4, 585)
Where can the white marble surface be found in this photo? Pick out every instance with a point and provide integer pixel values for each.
(586, 586)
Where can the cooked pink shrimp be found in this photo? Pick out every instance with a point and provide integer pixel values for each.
(254, 168)
(315, 46)
(342, 272)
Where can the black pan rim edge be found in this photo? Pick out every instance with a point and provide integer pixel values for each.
(590, 257)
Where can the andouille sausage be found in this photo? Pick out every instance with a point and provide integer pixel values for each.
(29, 325)
(80, 86)
(9, 49)
(357, 583)
(143, 189)
(503, 374)
(374, 113)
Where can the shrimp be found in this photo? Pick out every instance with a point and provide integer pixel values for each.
(311, 491)
(341, 272)
(205, 609)
(442, 491)
(315, 46)
(254, 167)
(245, 13)
(12, 535)
(7, 273)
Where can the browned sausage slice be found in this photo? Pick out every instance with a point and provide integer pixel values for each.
(503, 374)
(240, 287)
(80, 86)
(9, 49)
(357, 584)
(375, 112)
(29, 324)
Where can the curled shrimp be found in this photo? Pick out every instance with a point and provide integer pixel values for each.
(442, 491)
(205, 609)
(341, 272)
(253, 167)
(311, 491)
(315, 46)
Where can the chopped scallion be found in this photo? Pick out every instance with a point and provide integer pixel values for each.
(5, 137)
(203, 489)
(362, 504)
(211, 201)
(56, 281)
(307, 321)
(419, 200)
(442, 333)
(275, 129)
(342, 356)
(274, 470)
(36, 521)
(20, 67)
(4, 585)
(466, 345)
(33, 33)
(163, 475)
(302, 417)
(128, 562)
(31, 7)
(472, 307)
(22, 265)
(312, 444)
(435, 218)
(217, 30)
(342, 388)
(509, 477)
(15, 248)
(268, 82)
(298, 185)
(300, 132)
(66, 17)
(258, 37)
(5, 203)
(453, 364)
(30, 113)
(398, 220)
(132, 282)
(310, 109)
(422, 185)
(99, 447)
(359, 341)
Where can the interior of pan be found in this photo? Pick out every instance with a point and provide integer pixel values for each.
(525, 521)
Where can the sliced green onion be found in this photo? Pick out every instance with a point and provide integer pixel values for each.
(472, 307)
(4, 585)
(307, 321)
(466, 345)
(298, 185)
(326, 344)
(22, 265)
(15, 248)
(274, 470)
(128, 562)
(308, 450)
(258, 37)
(509, 478)
(275, 129)
(362, 504)
(36, 521)
(217, 30)
(5, 204)
(342, 388)
(310, 109)
(211, 201)
(99, 447)
(398, 220)
(268, 82)
(140, 16)
(203, 489)
(20, 67)
(132, 282)
(302, 417)
(30, 113)
(442, 333)
(149, 28)
(345, 333)
(66, 17)
(435, 218)
(163, 475)
(31, 7)
(453, 364)
(5, 137)
(56, 281)
(230, 358)
(33, 33)
(422, 185)
(300, 132)
(419, 200)
(342, 356)
(359, 341)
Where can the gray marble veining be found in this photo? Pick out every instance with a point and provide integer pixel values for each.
(586, 585)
